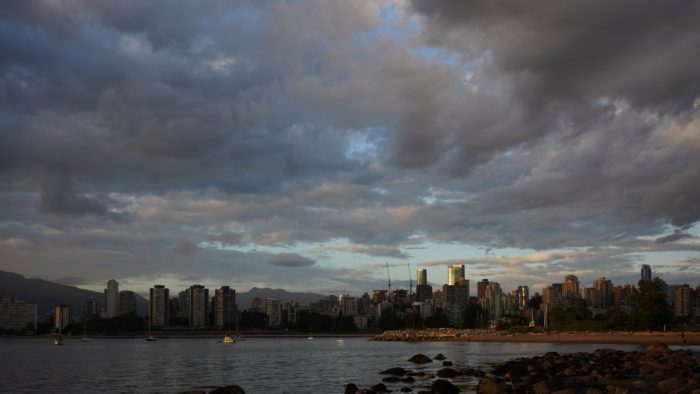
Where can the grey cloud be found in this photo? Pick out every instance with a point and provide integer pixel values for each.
(58, 196)
(675, 236)
(185, 247)
(290, 260)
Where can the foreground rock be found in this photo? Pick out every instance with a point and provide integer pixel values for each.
(655, 370)
(420, 359)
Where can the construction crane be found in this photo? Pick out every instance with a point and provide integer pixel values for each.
(410, 281)
(389, 278)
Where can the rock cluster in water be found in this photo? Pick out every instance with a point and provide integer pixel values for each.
(421, 381)
(232, 389)
(655, 370)
(431, 334)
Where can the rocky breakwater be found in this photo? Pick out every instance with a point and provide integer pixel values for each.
(435, 334)
(657, 369)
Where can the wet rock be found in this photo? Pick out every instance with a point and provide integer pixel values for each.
(351, 388)
(396, 371)
(232, 389)
(418, 374)
(380, 387)
(671, 384)
(447, 363)
(489, 386)
(391, 379)
(542, 388)
(592, 390)
(420, 359)
(406, 389)
(657, 349)
(408, 379)
(442, 386)
(448, 373)
(193, 392)
(439, 357)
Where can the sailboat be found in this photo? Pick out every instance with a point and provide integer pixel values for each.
(150, 338)
(228, 338)
(58, 340)
(311, 334)
(85, 338)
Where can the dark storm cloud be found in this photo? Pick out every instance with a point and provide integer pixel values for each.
(581, 50)
(290, 260)
(145, 137)
(677, 235)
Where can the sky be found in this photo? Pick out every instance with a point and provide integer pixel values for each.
(305, 144)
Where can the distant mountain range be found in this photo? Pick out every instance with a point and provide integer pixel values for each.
(48, 294)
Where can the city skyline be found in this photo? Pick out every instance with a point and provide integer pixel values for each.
(304, 145)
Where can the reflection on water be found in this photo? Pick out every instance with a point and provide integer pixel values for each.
(273, 365)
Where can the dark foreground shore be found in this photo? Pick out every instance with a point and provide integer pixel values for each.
(622, 338)
(657, 369)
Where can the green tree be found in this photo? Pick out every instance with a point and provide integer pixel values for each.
(438, 319)
(475, 316)
(652, 311)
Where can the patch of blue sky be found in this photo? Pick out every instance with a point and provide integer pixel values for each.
(365, 145)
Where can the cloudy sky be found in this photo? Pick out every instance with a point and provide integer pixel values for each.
(303, 144)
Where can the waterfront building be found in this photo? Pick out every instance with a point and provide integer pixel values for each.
(424, 291)
(481, 292)
(256, 305)
(455, 273)
(17, 315)
(646, 273)
(112, 299)
(183, 301)
(457, 294)
(127, 302)
(510, 303)
(493, 300)
(523, 294)
(273, 310)
(682, 305)
(62, 316)
(348, 305)
(90, 308)
(225, 307)
(603, 294)
(159, 306)
(294, 311)
(421, 277)
(622, 297)
(360, 321)
(570, 288)
(363, 304)
(174, 309)
(197, 309)
(378, 296)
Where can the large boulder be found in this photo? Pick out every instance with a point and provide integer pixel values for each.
(439, 357)
(669, 385)
(232, 389)
(442, 386)
(351, 388)
(448, 373)
(489, 386)
(396, 371)
(380, 387)
(420, 359)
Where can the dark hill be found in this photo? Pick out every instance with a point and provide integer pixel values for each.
(48, 294)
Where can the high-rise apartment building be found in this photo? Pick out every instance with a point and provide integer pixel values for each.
(481, 292)
(523, 295)
(17, 315)
(62, 316)
(348, 305)
(493, 300)
(571, 287)
(197, 311)
(646, 273)
(423, 290)
(225, 307)
(90, 308)
(603, 294)
(159, 306)
(273, 310)
(455, 273)
(456, 295)
(112, 299)
(127, 302)
(682, 305)
(421, 276)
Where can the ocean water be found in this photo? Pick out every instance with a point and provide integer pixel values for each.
(259, 365)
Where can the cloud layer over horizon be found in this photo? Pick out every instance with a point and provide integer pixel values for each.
(301, 144)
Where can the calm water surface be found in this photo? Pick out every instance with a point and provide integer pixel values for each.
(266, 365)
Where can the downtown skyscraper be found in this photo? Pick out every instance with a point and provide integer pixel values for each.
(112, 299)
(158, 306)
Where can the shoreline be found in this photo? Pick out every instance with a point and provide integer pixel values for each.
(613, 338)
